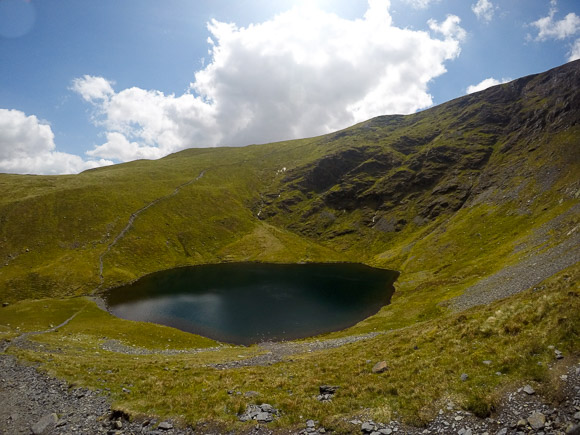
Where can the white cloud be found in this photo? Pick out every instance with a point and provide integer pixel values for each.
(548, 28)
(575, 51)
(92, 89)
(484, 10)
(484, 84)
(27, 146)
(449, 28)
(304, 72)
(421, 4)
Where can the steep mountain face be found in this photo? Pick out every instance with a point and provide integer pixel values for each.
(399, 171)
(445, 195)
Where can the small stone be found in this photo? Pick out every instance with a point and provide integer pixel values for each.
(502, 431)
(487, 362)
(310, 423)
(375, 433)
(386, 431)
(577, 415)
(498, 373)
(321, 430)
(464, 377)
(573, 429)
(61, 423)
(458, 418)
(355, 422)
(264, 417)
(522, 422)
(251, 394)
(165, 425)
(5, 304)
(537, 420)
(266, 407)
(117, 424)
(45, 424)
(367, 427)
(328, 389)
(529, 390)
(125, 390)
(380, 367)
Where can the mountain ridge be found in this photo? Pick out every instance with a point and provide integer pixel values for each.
(369, 183)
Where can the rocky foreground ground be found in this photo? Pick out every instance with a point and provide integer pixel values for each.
(35, 403)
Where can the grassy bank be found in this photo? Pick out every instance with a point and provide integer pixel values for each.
(425, 362)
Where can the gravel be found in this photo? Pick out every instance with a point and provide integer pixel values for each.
(533, 269)
(33, 402)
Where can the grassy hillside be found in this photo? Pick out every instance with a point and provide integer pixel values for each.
(453, 197)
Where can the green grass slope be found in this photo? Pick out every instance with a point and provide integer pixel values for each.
(452, 197)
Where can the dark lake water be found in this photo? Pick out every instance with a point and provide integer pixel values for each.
(245, 303)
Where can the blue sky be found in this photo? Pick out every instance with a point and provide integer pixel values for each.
(86, 83)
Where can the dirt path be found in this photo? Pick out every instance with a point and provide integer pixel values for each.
(17, 341)
(131, 220)
(274, 352)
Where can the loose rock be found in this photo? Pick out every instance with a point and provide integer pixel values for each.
(326, 392)
(367, 427)
(45, 424)
(264, 413)
(380, 367)
(328, 389)
(537, 420)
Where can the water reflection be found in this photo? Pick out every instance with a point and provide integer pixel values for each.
(244, 303)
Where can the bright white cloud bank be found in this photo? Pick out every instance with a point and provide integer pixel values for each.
(484, 84)
(304, 72)
(27, 146)
(484, 10)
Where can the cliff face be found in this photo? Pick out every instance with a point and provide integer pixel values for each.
(398, 171)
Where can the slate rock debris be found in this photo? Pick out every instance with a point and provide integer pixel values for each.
(326, 392)
(263, 413)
